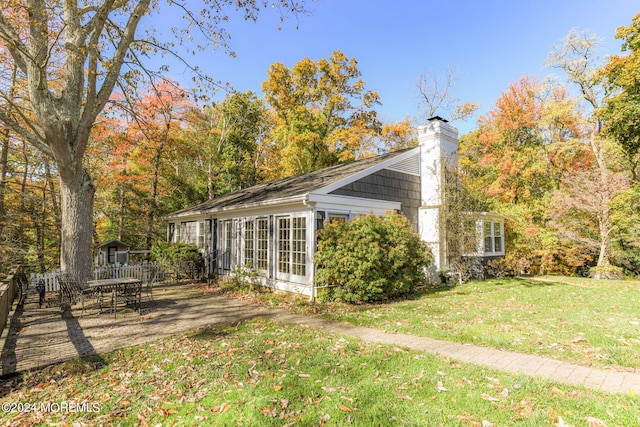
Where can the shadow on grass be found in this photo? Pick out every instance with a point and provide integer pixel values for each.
(210, 334)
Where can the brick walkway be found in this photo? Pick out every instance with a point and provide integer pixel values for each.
(39, 337)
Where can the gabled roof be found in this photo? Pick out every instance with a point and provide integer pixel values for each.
(114, 242)
(294, 187)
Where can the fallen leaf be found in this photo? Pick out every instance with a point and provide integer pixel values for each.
(561, 423)
(485, 396)
(269, 412)
(441, 387)
(595, 422)
(345, 408)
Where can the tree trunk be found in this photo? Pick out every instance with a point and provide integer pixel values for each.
(41, 232)
(4, 162)
(55, 209)
(153, 202)
(76, 195)
(121, 210)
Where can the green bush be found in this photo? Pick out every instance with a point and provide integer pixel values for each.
(608, 272)
(183, 258)
(370, 259)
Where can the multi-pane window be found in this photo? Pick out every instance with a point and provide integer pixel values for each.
(292, 245)
(497, 237)
(284, 245)
(262, 243)
(201, 235)
(226, 244)
(188, 232)
(249, 242)
(172, 232)
(493, 237)
(488, 237)
(342, 218)
(299, 247)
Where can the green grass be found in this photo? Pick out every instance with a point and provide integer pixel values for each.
(263, 373)
(589, 322)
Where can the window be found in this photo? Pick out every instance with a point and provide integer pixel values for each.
(201, 235)
(338, 218)
(172, 232)
(226, 244)
(249, 242)
(488, 236)
(188, 232)
(299, 247)
(262, 243)
(291, 251)
(493, 237)
(284, 244)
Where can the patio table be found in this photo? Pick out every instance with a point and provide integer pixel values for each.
(125, 286)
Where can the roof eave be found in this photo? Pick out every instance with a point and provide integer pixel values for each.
(300, 198)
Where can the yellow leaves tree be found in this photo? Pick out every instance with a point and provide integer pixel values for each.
(323, 115)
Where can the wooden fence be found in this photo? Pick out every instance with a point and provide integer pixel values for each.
(50, 280)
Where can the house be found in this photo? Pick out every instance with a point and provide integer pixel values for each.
(112, 252)
(272, 227)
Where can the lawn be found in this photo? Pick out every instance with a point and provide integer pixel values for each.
(271, 374)
(589, 322)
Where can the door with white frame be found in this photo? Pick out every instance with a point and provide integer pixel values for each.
(291, 248)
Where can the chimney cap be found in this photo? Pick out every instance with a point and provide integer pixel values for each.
(431, 119)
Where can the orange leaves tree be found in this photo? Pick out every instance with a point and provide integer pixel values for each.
(322, 112)
(516, 159)
(71, 57)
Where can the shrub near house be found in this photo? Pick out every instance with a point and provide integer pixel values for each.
(370, 259)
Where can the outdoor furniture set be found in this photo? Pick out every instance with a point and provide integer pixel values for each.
(108, 292)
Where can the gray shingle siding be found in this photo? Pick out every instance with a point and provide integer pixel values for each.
(391, 186)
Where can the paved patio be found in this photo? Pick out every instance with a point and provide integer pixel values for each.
(41, 336)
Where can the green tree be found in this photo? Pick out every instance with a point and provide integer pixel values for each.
(322, 113)
(226, 143)
(622, 111)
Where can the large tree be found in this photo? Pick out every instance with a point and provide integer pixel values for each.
(577, 57)
(72, 56)
(323, 112)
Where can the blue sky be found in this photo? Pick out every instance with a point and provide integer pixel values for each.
(489, 43)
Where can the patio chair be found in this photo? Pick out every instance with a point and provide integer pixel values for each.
(23, 287)
(72, 292)
(149, 277)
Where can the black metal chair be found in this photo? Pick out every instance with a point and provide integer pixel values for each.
(149, 276)
(23, 287)
(71, 292)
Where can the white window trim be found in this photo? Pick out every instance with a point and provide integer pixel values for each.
(493, 223)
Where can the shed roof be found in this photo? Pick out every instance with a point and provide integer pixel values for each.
(290, 187)
(114, 242)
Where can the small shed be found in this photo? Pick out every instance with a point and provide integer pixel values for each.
(112, 252)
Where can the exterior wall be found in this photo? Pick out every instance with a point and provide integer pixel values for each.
(107, 254)
(390, 186)
(270, 241)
